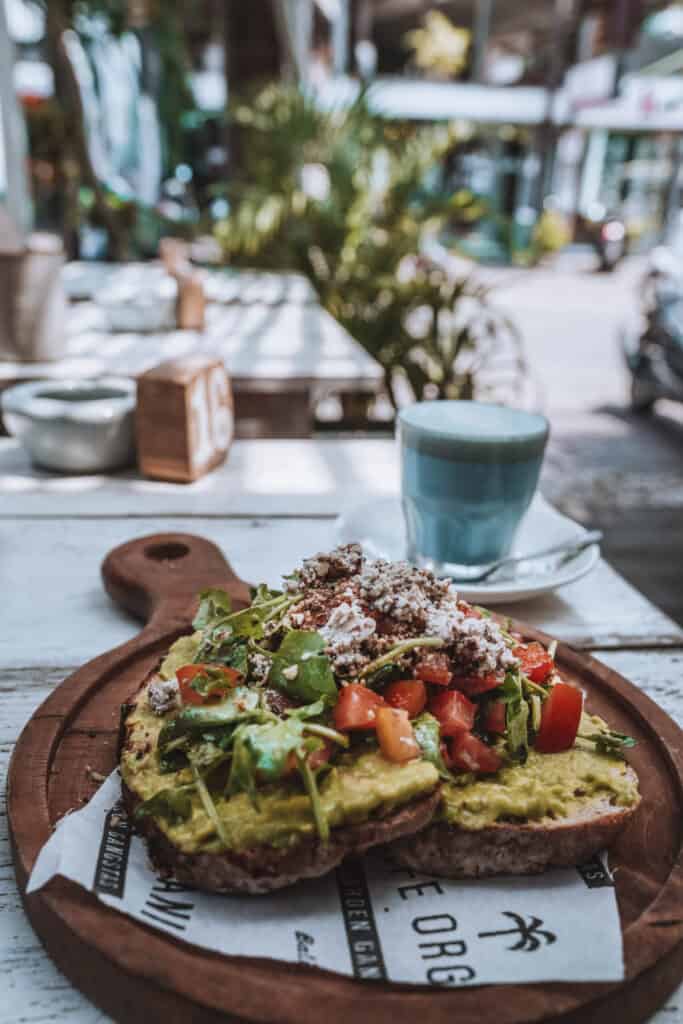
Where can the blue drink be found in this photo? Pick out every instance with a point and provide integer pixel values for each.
(469, 472)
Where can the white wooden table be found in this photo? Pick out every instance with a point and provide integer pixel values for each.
(270, 505)
(283, 351)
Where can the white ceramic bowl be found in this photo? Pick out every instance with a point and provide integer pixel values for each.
(74, 426)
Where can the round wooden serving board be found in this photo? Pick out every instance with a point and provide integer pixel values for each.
(140, 975)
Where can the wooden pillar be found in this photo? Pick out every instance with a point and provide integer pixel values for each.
(12, 137)
(481, 31)
(252, 45)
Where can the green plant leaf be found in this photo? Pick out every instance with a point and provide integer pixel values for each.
(214, 605)
(300, 670)
(262, 752)
(306, 711)
(428, 735)
(173, 805)
(241, 704)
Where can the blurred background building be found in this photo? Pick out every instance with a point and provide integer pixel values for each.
(572, 107)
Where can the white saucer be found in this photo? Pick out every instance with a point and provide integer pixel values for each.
(379, 527)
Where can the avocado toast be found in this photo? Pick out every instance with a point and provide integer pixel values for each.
(359, 705)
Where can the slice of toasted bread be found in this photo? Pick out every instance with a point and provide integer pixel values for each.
(262, 869)
(506, 848)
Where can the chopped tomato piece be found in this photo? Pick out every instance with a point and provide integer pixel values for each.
(317, 758)
(469, 611)
(409, 694)
(474, 685)
(356, 707)
(495, 717)
(536, 663)
(226, 679)
(454, 712)
(560, 719)
(434, 668)
(470, 754)
(395, 735)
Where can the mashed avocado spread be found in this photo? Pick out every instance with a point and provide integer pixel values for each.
(358, 787)
(547, 787)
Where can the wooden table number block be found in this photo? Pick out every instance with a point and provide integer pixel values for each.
(185, 418)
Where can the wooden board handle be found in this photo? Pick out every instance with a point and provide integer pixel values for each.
(159, 577)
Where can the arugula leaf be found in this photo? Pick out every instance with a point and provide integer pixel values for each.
(311, 785)
(206, 755)
(214, 605)
(386, 674)
(242, 703)
(262, 749)
(209, 806)
(428, 735)
(610, 743)
(263, 594)
(395, 653)
(271, 744)
(209, 681)
(174, 805)
(173, 757)
(308, 710)
(516, 716)
(242, 777)
(300, 670)
(300, 644)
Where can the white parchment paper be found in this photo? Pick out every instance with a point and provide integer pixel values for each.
(369, 918)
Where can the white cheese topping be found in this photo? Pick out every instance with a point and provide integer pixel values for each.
(163, 696)
(347, 623)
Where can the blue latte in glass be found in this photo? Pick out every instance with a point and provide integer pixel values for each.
(469, 472)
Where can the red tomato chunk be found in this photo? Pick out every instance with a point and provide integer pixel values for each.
(535, 661)
(434, 668)
(409, 694)
(470, 754)
(356, 707)
(395, 735)
(454, 712)
(560, 719)
(185, 675)
(495, 717)
(474, 685)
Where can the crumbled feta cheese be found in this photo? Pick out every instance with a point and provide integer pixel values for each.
(259, 666)
(345, 560)
(362, 609)
(291, 672)
(347, 622)
(163, 696)
(345, 630)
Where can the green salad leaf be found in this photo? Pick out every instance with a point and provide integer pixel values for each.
(306, 711)
(428, 735)
(264, 595)
(610, 743)
(173, 805)
(311, 785)
(214, 605)
(242, 703)
(262, 750)
(516, 716)
(300, 670)
(208, 681)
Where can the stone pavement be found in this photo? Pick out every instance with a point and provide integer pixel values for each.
(605, 467)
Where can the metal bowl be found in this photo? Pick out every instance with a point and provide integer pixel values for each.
(74, 426)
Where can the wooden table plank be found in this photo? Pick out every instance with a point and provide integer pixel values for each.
(273, 477)
(290, 346)
(59, 613)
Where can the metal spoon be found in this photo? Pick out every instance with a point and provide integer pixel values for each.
(568, 550)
